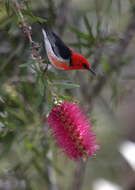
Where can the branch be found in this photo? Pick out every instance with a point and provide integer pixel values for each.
(27, 30)
(78, 177)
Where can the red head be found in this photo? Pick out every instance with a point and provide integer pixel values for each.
(79, 62)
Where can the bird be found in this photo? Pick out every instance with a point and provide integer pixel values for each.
(60, 55)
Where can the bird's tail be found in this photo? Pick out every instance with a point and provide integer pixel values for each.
(48, 33)
(46, 27)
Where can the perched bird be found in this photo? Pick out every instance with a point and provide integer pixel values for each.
(62, 56)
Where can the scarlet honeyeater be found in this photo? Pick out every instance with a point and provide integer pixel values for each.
(62, 56)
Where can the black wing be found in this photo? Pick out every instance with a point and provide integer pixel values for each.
(58, 46)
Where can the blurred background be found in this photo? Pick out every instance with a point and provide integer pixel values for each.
(104, 32)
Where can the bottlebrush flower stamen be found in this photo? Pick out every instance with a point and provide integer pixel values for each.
(72, 130)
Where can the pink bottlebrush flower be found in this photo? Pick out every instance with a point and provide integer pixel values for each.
(72, 130)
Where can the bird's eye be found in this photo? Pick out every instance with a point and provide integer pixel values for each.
(89, 68)
(85, 66)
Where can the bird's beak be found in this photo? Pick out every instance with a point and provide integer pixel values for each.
(92, 71)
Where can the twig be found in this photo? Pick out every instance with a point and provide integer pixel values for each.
(27, 30)
(78, 177)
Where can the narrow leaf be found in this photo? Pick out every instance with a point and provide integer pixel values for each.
(66, 85)
(80, 34)
(88, 26)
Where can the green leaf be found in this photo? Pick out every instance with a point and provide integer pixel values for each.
(89, 28)
(19, 114)
(108, 39)
(54, 76)
(41, 86)
(79, 44)
(66, 98)
(80, 34)
(7, 5)
(66, 85)
(24, 65)
(33, 17)
(7, 141)
(30, 62)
